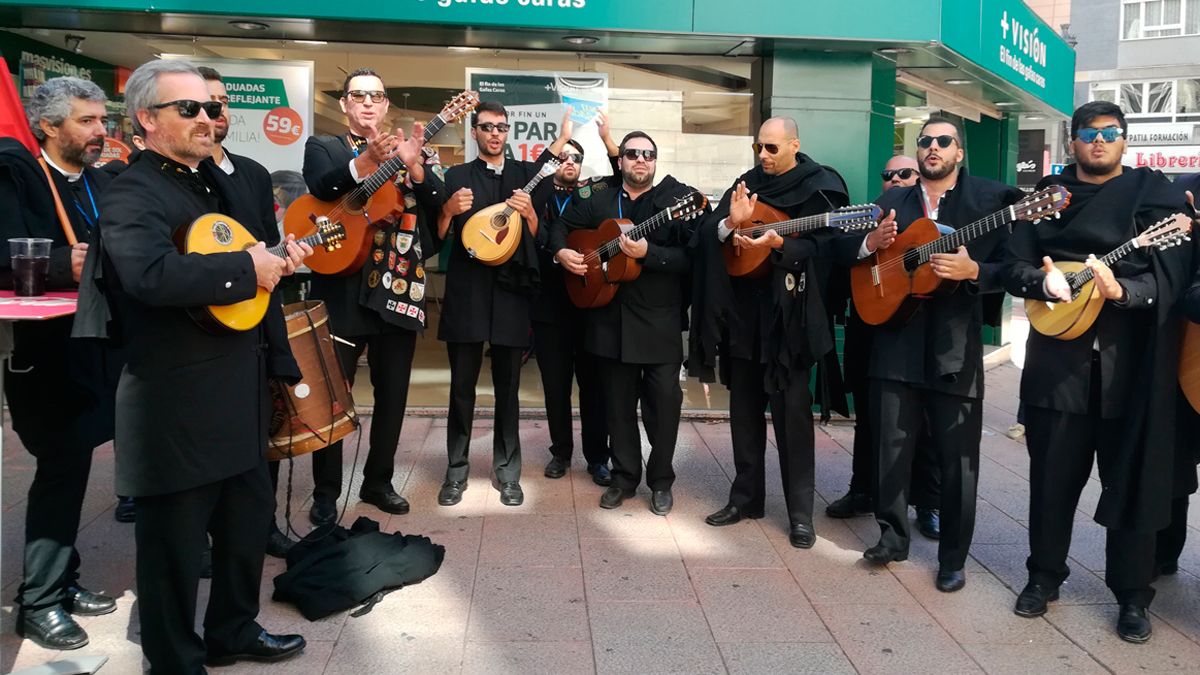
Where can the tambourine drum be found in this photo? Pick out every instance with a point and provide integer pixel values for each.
(318, 410)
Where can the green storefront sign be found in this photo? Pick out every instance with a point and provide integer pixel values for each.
(256, 93)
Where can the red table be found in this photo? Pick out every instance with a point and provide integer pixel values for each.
(49, 306)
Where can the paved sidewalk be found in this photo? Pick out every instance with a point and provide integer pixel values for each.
(561, 586)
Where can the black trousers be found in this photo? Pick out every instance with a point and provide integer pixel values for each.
(791, 415)
(1170, 540)
(955, 424)
(466, 360)
(560, 355)
(170, 535)
(389, 361)
(51, 525)
(656, 386)
(1061, 447)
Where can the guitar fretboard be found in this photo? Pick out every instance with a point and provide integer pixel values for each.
(532, 185)
(613, 246)
(313, 240)
(963, 236)
(389, 168)
(1078, 279)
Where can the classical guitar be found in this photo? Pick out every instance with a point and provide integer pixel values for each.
(889, 285)
(607, 266)
(741, 262)
(1069, 320)
(1189, 364)
(491, 234)
(218, 233)
(365, 209)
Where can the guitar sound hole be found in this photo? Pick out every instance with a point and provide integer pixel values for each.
(499, 222)
(912, 260)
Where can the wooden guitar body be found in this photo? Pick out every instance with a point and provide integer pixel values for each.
(217, 233)
(889, 285)
(361, 222)
(491, 235)
(605, 273)
(751, 263)
(1066, 320)
(1189, 364)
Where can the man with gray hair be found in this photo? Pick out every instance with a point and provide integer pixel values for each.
(60, 390)
(192, 411)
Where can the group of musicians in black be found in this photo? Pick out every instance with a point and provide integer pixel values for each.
(189, 408)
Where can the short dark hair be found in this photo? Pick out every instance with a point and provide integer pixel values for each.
(575, 144)
(1086, 113)
(494, 107)
(942, 119)
(637, 134)
(209, 74)
(357, 72)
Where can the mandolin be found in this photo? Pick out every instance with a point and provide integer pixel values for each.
(740, 262)
(607, 266)
(491, 234)
(218, 233)
(363, 211)
(1069, 320)
(890, 285)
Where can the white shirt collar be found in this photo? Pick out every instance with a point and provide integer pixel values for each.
(71, 177)
(226, 163)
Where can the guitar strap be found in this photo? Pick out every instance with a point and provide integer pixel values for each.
(58, 205)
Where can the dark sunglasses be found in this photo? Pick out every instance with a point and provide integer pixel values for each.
(189, 109)
(489, 127)
(771, 148)
(944, 141)
(360, 95)
(571, 157)
(904, 174)
(1090, 134)
(632, 154)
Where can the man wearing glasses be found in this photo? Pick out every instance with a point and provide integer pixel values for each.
(191, 420)
(769, 331)
(637, 336)
(489, 304)
(929, 370)
(558, 330)
(1110, 393)
(900, 171)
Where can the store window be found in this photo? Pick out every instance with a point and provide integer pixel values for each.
(1152, 101)
(1159, 18)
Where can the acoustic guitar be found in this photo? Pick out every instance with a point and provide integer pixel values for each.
(366, 209)
(1189, 364)
(890, 285)
(491, 234)
(740, 262)
(607, 266)
(218, 233)
(1069, 320)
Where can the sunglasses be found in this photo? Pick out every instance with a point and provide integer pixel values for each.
(189, 109)
(904, 174)
(489, 127)
(1109, 134)
(360, 95)
(632, 154)
(944, 141)
(771, 148)
(571, 157)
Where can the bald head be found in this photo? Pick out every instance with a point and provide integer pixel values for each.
(778, 143)
(898, 177)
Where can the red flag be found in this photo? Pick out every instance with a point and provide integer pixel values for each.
(12, 114)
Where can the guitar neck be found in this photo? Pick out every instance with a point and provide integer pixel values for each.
(786, 227)
(641, 231)
(313, 240)
(528, 189)
(966, 235)
(1078, 279)
(388, 169)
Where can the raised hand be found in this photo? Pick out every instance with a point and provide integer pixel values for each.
(1056, 282)
(741, 206)
(884, 234)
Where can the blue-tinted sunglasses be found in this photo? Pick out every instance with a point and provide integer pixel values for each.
(1109, 134)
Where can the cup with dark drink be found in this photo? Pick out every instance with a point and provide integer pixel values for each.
(30, 264)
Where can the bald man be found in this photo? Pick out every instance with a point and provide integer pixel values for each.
(900, 171)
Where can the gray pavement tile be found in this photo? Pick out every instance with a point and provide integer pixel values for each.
(545, 605)
(732, 546)
(894, 639)
(652, 637)
(1056, 659)
(993, 526)
(831, 573)
(798, 658)
(528, 658)
(1007, 563)
(389, 652)
(632, 521)
(1176, 602)
(529, 541)
(634, 570)
(756, 605)
(1094, 630)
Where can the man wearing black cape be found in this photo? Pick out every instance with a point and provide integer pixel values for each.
(768, 331)
(1110, 393)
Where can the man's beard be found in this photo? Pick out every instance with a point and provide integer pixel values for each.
(927, 173)
(80, 153)
(219, 133)
(632, 181)
(1098, 169)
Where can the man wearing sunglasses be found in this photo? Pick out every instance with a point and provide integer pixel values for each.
(768, 331)
(358, 303)
(489, 304)
(636, 337)
(558, 330)
(928, 371)
(1110, 393)
(900, 171)
(192, 406)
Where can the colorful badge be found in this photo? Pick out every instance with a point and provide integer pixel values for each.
(399, 286)
(413, 310)
(403, 242)
(402, 308)
(585, 192)
(377, 255)
(391, 305)
(373, 279)
(391, 260)
(789, 282)
(417, 291)
(420, 271)
(402, 267)
(379, 238)
(387, 279)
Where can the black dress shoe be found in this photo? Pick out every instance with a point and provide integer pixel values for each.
(451, 492)
(661, 502)
(850, 505)
(386, 500)
(730, 515)
(323, 511)
(1133, 625)
(511, 494)
(266, 648)
(82, 602)
(801, 535)
(949, 581)
(53, 629)
(126, 511)
(557, 468)
(1031, 603)
(278, 543)
(929, 523)
(614, 497)
(600, 474)
(882, 555)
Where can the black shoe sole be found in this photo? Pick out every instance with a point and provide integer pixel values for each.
(47, 645)
(394, 510)
(660, 512)
(75, 612)
(895, 557)
(219, 661)
(1135, 639)
(554, 475)
(803, 545)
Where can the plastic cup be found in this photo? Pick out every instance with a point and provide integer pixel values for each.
(30, 264)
